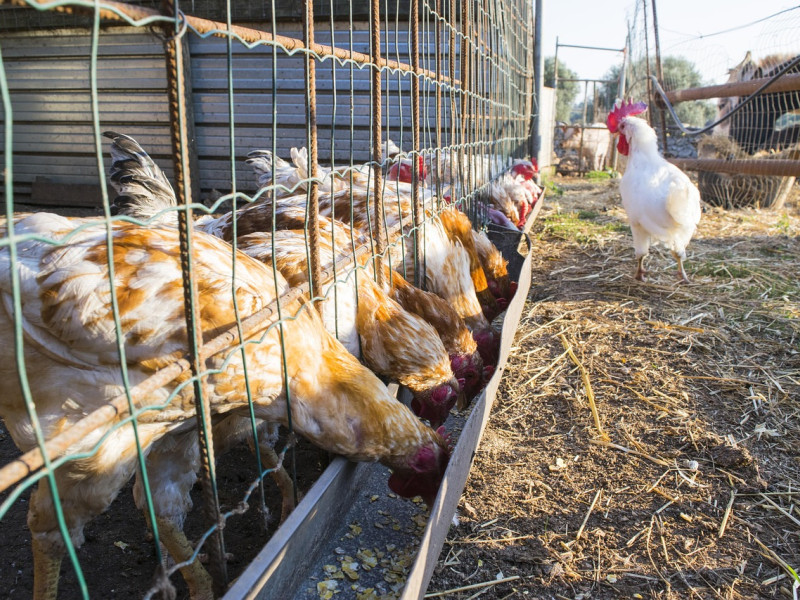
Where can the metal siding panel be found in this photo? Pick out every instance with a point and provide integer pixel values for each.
(53, 133)
(253, 99)
(49, 81)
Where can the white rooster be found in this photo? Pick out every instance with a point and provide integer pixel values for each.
(662, 204)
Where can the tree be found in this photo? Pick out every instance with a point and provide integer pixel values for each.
(567, 90)
(679, 73)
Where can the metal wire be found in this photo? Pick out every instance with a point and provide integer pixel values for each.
(467, 112)
(755, 130)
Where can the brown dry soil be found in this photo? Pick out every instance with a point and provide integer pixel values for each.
(118, 559)
(687, 485)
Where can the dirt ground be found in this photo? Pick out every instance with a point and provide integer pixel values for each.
(687, 483)
(118, 559)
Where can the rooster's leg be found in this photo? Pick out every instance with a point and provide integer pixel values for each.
(682, 277)
(641, 246)
(640, 271)
(197, 578)
(46, 567)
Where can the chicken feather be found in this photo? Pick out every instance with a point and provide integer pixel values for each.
(351, 304)
(661, 202)
(65, 291)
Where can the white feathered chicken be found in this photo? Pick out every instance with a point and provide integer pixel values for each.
(662, 204)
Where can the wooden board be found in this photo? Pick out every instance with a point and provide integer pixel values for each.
(279, 568)
(464, 453)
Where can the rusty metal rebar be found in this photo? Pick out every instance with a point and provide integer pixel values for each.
(248, 34)
(419, 259)
(438, 114)
(174, 53)
(377, 150)
(309, 64)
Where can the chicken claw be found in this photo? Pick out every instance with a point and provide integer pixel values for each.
(640, 270)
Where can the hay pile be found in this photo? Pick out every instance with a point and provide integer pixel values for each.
(739, 191)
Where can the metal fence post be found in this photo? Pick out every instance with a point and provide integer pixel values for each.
(180, 145)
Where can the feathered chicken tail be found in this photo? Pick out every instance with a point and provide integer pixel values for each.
(300, 160)
(264, 164)
(143, 192)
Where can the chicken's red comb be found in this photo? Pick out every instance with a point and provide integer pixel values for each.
(623, 110)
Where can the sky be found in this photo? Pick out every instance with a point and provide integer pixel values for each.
(688, 28)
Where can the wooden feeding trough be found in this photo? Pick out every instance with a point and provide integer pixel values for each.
(348, 533)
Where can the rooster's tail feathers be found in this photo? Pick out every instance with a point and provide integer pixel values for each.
(142, 189)
(262, 163)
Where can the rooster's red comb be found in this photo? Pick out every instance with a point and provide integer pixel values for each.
(623, 110)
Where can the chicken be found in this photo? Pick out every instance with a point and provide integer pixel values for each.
(465, 358)
(384, 327)
(447, 270)
(508, 197)
(70, 341)
(459, 230)
(527, 169)
(401, 170)
(662, 204)
(292, 178)
(495, 266)
(354, 309)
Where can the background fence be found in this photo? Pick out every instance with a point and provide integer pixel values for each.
(199, 88)
(750, 158)
(740, 136)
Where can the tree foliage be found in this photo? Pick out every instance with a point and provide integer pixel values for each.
(567, 90)
(679, 73)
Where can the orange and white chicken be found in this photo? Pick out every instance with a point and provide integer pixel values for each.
(495, 267)
(661, 202)
(70, 342)
(369, 323)
(465, 358)
(447, 267)
(459, 231)
(384, 327)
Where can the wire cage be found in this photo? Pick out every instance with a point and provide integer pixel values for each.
(585, 144)
(276, 172)
(734, 117)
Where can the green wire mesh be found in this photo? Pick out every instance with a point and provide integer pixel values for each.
(473, 83)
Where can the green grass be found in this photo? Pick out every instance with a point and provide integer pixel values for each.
(553, 189)
(581, 227)
(784, 224)
(600, 175)
(764, 283)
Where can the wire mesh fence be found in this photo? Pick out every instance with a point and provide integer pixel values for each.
(585, 144)
(743, 134)
(359, 147)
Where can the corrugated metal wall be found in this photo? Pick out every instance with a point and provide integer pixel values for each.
(48, 74)
(49, 80)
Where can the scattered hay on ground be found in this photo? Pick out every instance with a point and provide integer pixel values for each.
(695, 491)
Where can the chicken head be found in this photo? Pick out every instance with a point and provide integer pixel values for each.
(423, 474)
